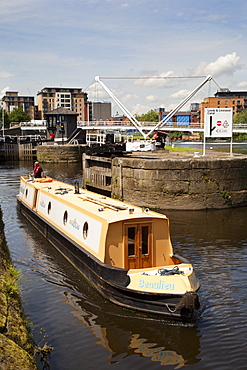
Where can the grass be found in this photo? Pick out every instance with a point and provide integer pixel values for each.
(182, 149)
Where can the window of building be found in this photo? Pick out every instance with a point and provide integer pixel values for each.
(226, 102)
(218, 102)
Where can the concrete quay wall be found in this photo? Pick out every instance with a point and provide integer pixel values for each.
(181, 183)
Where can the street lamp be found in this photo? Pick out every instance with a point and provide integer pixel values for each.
(3, 121)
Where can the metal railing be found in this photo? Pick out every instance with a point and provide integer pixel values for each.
(173, 125)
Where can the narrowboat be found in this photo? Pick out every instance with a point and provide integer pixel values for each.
(122, 250)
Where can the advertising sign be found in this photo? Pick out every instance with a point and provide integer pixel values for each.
(218, 122)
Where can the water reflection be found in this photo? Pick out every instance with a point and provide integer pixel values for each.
(124, 335)
(66, 172)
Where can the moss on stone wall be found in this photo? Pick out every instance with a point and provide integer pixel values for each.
(188, 183)
(16, 345)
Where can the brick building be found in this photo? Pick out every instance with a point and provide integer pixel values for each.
(224, 98)
(12, 100)
(74, 99)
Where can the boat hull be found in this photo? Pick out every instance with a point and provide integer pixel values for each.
(112, 282)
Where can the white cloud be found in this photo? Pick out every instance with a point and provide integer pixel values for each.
(162, 80)
(151, 98)
(227, 64)
(4, 74)
(242, 84)
(181, 94)
(3, 92)
(140, 109)
(16, 10)
(96, 93)
(129, 97)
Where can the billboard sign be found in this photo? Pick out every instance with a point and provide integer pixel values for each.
(218, 122)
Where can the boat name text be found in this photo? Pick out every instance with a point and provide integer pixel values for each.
(42, 203)
(74, 224)
(161, 285)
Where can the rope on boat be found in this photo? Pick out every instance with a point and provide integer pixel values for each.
(169, 309)
(189, 301)
(174, 271)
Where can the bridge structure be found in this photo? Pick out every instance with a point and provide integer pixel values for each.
(152, 126)
(146, 129)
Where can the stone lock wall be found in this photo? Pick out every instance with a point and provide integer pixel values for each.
(60, 153)
(177, 183)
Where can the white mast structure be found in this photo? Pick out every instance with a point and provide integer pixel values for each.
(136, 123)
(161, 123)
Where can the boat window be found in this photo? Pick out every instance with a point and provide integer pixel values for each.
(49, 208)
(131, 241)
(144, 245)
(85, 230)
(65, 217)
(26, 192)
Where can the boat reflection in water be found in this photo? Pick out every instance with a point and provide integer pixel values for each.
(124, 334)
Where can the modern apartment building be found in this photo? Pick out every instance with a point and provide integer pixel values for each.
(73, 99)
(12, 100)
(224, 98)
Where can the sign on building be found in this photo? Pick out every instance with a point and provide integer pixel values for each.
(218, 122)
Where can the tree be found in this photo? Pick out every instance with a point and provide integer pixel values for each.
(18, 115)
(240, 117)
(150, 116)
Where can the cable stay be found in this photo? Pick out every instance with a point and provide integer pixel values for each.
(161, 123)
(179, 106)
(136, 123)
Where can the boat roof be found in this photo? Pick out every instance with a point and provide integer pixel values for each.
(109, 209)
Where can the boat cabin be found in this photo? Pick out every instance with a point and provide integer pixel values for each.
(118, 234)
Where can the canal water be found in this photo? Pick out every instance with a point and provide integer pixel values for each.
(88, 332)
(219, 146)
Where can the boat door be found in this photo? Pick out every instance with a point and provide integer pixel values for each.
(138, 245)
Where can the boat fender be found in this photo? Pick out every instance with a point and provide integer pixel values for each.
(45, 180)
(189, 301)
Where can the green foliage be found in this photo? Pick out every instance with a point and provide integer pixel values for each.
(181, 149)
(177, 134)
(44, 353)
(150, 116)
(240, 117)
(18, 115)
(9, 281)
(239, 137)
(225, 194)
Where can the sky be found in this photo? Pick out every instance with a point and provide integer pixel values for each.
(150, 54)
